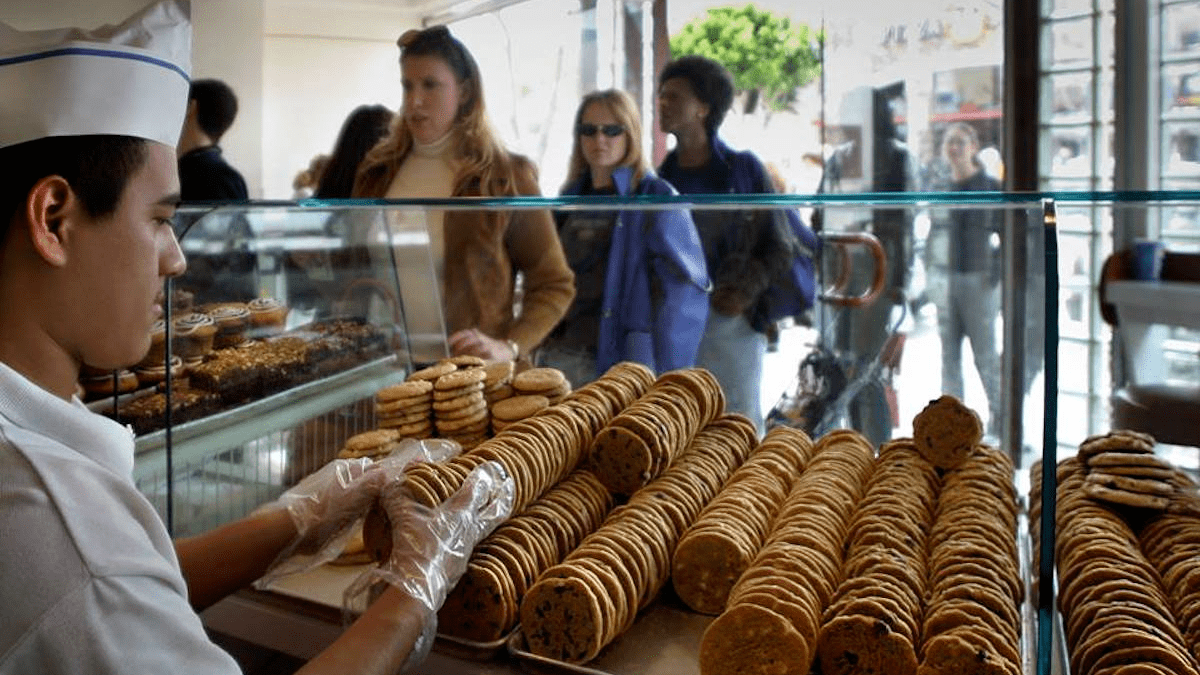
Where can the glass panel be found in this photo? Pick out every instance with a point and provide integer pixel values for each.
(1181, 88)
(1068, 98)
(1181, 220)
(1068, 152)
(1073, 415)
(1181, 149)
(1052, 7)
(1068, 42)
(1073, 374)
(1181, 28)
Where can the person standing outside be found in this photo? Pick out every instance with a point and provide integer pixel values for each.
(92, 581)
(445, 146)
(743, 250)
(640, 277)
(973, 286)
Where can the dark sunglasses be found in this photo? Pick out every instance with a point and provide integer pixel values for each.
(610, 130)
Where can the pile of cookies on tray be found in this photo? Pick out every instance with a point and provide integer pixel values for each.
(1121, 468)
(1117, 611)
(455, 399)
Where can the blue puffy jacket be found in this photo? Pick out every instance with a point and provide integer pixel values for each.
(662, 333)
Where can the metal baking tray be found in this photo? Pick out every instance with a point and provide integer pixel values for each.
(469, 650)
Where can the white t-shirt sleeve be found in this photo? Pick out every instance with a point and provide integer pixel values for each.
(127, 625)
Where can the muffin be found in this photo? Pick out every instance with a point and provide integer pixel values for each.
(194, 335)
(97, 386)
(157, 355)
(232, 320)
(267, 316)
(149, 375)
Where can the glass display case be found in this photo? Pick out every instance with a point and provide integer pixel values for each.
(338, 300)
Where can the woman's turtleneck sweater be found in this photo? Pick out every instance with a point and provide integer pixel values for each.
(427, 172)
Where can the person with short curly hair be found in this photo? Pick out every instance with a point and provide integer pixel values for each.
(744, 249)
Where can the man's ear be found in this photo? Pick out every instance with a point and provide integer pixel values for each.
(50, 202)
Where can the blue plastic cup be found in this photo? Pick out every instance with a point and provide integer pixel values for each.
(1148, 260)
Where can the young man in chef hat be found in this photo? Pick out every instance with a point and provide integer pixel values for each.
(90, 581)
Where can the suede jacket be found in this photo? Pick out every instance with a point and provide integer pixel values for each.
(484, 252)
(656, 285)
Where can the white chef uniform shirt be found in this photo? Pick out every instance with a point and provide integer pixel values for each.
(89, 581)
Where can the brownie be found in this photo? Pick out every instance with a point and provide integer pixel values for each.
(148, 413)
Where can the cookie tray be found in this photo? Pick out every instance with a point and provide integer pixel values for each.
(469, 650)
(665, 637)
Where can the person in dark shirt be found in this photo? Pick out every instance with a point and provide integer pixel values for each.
(204, 175)
(973, 288)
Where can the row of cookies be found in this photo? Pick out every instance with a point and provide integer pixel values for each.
(577, 607)
(1121, 468)
(484, 605)
(1116, 611)
(1171, 542)
(645, 438)
(874, 621)
(773, 617)
(542, 449)
(972, 619)
(714, 551)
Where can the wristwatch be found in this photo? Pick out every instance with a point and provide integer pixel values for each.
(516, 350)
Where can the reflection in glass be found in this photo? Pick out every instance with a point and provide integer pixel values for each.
(1181, 88)
(1181, 28)
(1181, 148)
(1069, 97)
(1069, 153)
(1068, 42)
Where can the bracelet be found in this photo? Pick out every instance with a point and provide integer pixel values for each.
(516, 350)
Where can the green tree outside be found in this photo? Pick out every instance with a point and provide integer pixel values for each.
(768, 56)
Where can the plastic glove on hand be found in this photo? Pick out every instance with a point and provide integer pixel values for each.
(431, 547)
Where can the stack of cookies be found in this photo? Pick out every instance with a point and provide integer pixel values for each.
(497, 383)
(1171, 543)
(714, 551)
(972, 621)
(1122, 469)
(513, 409)
(484, 605)
(548, 382)
(1116, 610)
(374, 444)
(773, 617)
(460, 412)
(874, 622)
(406, 408)
(646, 437)
(579, 606)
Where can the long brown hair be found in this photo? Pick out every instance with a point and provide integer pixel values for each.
(622, 107)
(484, 167)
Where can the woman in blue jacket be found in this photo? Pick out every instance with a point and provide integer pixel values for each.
(641, 283)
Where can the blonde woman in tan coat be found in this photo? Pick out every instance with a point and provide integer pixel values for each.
(443, 146)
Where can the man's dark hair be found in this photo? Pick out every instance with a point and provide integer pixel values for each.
(710, 82)
(216, 106)
(97, 167)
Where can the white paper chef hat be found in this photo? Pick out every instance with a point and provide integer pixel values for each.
(130, 79)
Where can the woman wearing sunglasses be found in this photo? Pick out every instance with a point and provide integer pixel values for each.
(641, 283)
(443, 146)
